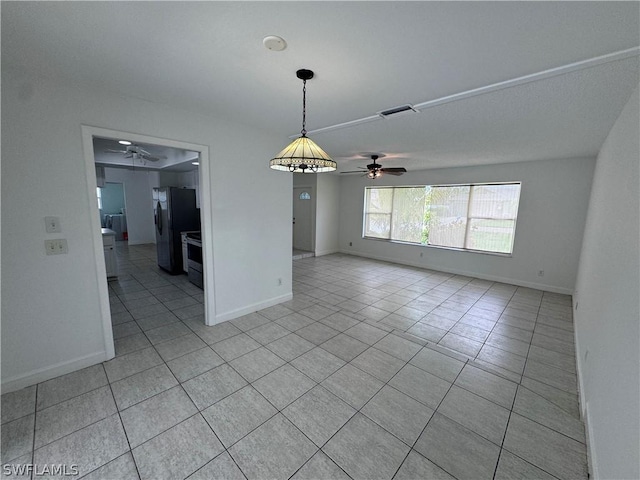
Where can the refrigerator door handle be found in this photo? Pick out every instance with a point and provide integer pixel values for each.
(158, 218)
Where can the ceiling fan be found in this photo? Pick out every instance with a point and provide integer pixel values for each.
(375, 170)
(137, 153)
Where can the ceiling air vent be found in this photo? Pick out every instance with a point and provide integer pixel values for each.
(402, 109)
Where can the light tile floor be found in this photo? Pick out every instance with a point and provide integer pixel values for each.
(372, 370)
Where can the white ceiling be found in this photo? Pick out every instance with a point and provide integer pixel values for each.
(177, 160)
(368, 56)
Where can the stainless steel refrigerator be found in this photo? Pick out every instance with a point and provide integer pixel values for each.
(174, 211)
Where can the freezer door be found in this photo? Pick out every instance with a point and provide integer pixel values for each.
(163, 232)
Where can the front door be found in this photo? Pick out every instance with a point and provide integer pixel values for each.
(302, 212)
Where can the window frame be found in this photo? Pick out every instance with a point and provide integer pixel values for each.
(468, 218)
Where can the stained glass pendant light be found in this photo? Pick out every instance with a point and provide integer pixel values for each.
(303, 155)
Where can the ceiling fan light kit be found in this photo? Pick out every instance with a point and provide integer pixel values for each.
(136, 153)
(303, 155)
(375, 170)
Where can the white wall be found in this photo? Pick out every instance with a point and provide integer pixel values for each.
(553, 207)
(327, 214)
(606, 310)
(51, 316)
(138, 187)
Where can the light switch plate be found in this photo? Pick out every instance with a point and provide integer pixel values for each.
(52, 224)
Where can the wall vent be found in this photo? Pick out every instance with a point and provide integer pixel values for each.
(397, 111)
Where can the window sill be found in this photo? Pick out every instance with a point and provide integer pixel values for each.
(438, 247)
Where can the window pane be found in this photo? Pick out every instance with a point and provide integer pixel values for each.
(448, 216)
(491, 235)
(379, 200)
(408, 214)
(377, 225)
(495, 201)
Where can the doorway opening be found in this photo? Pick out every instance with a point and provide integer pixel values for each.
(303, 224)
(139, 174)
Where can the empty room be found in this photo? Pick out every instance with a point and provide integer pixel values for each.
(320, 240)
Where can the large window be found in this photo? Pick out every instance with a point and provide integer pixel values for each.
(470, 217)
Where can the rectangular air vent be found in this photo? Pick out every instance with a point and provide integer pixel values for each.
(397, 111)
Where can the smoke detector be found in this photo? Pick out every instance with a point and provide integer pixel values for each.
(274, 43)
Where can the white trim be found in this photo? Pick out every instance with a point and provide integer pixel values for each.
(47, 373)
(327, 252)
(492, 278)
(96, 238)
(223, 317)
(88, 132)
(592, 463)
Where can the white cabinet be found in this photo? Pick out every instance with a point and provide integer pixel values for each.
(110, 260)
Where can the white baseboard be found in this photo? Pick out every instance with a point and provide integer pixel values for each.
(52, 371)
(140, 242)
(223, 317)
(592, 463)
(493, 278)
(320, 253)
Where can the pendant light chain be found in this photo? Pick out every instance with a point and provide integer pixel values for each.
(304, 108)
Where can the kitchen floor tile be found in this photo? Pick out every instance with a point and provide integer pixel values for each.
(344, 347)
(256, 364)
(143, 385)
(222, 467)
(235, 347)
(122, 468)
(147, 419)
(238, 414)
(420, 385)
(319, 414)
(551, 451)
(320, 467)
(398, 413)
(179, 451)
(475, 413)
(352, 385)
(438, 364)
(317, 364)
(377, 363)
(365, 450)
(416, 467)
(213, 385)
(492, 387)
(398, 347)
(18, 404)
(88, 449)
(64, 418)
(457, 450)
(290, 346)
(283, 386)
(71, 385)
(17, 438)
(276, 449)
(194, 364)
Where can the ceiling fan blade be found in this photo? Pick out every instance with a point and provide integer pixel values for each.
(394, 169)
(151, 158)
(129, 155)
(355, 171)
(115, 151)
(397, 174)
